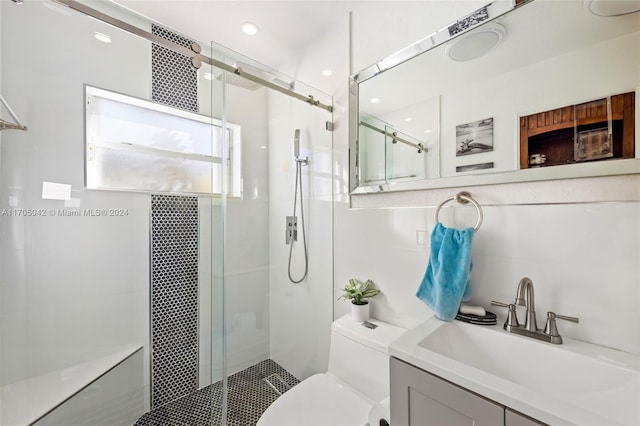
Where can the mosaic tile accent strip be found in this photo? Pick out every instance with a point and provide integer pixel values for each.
(174, 297)
(249, 396)
(174, 80)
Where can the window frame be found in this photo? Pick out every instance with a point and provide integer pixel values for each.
(232, 135)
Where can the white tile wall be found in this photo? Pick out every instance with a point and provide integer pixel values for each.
(73, 288)
(246, 242)
(583, 260)
(300, 314)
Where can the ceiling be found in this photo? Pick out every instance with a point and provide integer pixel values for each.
(286, 27)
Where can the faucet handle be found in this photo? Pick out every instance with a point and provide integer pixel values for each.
(566, 318)
(551, 328)
(512, 317)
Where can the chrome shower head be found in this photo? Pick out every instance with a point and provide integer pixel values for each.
(296, 144)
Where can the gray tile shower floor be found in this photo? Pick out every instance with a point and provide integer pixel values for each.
(249, 395)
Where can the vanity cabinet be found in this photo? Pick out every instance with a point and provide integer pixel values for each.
(419, 398)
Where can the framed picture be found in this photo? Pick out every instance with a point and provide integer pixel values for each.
(474, 138)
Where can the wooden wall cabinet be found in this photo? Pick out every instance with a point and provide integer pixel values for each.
(419, 398)
(553, 134)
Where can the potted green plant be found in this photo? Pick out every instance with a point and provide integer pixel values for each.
(358, 292)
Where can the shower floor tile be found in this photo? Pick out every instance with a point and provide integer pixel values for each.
(249, 396)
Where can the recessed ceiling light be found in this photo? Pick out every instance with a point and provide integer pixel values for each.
(263, 146)
(408, 119)
(208, 76)
(250, 28)
(102, 37)
(427, 131)
(327, 73)
(375, 100)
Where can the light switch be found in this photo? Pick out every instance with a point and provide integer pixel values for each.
(421, 237)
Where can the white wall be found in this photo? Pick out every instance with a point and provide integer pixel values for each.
(246, 245)
(300, 314)
(381, 28)
(73, 288)
(582, 258)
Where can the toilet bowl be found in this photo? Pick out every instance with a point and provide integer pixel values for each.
(357, 379)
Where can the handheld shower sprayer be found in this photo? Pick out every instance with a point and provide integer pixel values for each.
(292, 221)
(296, 150)
(296, 144)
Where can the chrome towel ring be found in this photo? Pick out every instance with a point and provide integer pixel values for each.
(463, 198)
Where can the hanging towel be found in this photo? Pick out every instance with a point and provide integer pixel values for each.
(447, 281)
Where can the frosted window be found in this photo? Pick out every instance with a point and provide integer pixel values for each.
(134, 144)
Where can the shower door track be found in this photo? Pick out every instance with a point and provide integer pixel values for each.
(196, 57)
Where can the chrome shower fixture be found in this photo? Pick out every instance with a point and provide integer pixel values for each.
(296, 143)
(296, 150)
(292, 221)
(17, 1)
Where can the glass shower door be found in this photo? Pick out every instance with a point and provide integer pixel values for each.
(74, 270)
(111, 297)
(276, 332)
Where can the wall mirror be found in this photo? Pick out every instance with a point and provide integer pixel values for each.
(486, 99)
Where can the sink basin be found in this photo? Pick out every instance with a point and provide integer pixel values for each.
(573, 383)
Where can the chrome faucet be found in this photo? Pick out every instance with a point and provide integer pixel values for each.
(525, 296)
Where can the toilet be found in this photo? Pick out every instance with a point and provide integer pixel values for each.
(356, 381)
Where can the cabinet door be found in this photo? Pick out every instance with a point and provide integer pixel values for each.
(513, 418)
(419, 398)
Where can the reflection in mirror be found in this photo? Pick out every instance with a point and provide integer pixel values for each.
(539, 57)
(591, 131)
(399, 152)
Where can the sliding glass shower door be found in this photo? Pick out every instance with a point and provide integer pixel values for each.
(110, 222)
(277, 332)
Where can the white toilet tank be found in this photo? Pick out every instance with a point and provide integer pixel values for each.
(359, 355)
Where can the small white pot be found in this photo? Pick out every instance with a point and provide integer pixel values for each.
(360, 313)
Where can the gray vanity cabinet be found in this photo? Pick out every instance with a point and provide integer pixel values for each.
(422, 399)
(419, 398)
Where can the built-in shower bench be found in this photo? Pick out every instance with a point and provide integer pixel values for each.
(28, 401)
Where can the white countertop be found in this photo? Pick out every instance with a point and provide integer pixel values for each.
(502, 385)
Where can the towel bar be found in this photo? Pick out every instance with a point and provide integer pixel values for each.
(462, 197)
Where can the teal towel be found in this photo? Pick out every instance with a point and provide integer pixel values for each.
(447, 281)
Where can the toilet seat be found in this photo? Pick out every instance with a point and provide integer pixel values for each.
(320, 400)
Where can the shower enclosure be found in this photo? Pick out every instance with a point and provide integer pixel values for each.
(143, 267)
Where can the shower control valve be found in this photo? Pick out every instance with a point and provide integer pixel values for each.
(291, 229)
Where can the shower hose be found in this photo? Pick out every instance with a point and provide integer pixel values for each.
(304, 234)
